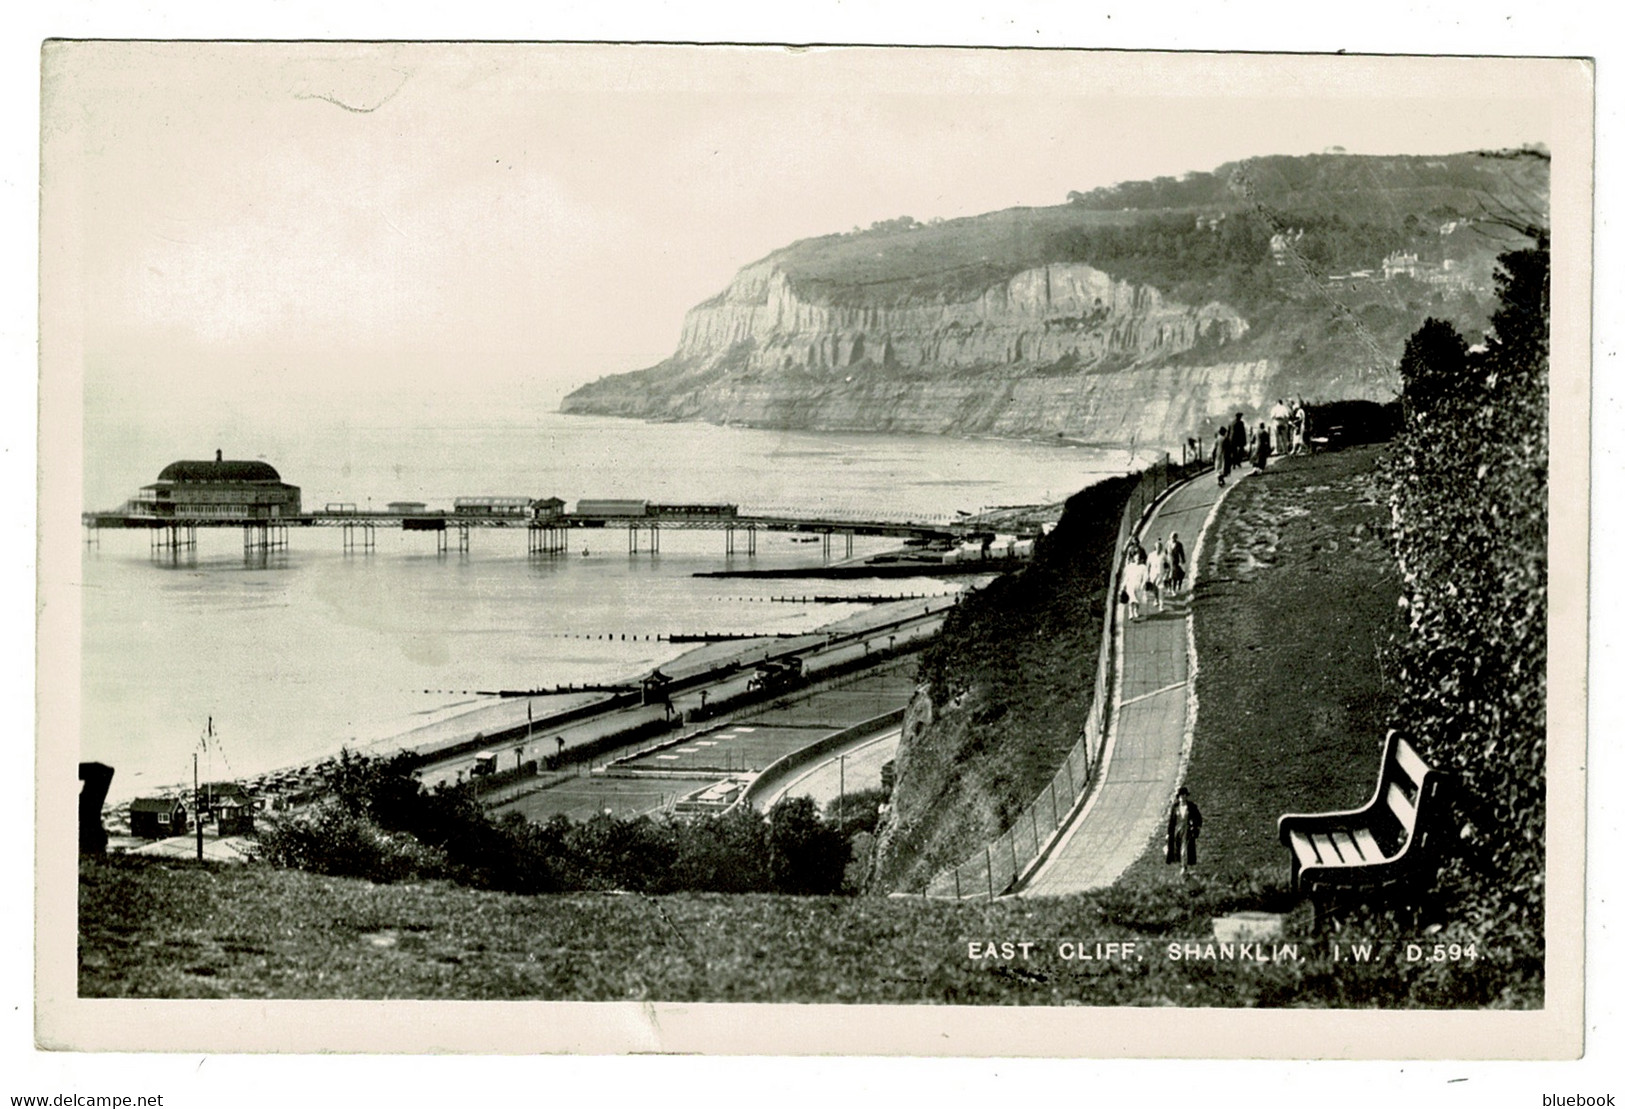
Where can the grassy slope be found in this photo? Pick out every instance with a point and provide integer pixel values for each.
(162, 928)
(1010, 682)
(964, 256)
(1294, 604)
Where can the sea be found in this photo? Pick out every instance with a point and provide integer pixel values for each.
(257, 662)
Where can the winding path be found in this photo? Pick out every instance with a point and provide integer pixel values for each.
(1152, 716)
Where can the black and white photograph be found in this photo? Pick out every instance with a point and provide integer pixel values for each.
(878, 550)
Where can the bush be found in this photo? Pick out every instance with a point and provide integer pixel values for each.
(333, 840)
(858, 811)
(804, 854)
(727, 854)
(1470, 511)
(380, 824)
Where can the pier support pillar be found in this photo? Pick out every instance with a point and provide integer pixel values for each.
(357, 536)
(547, 539)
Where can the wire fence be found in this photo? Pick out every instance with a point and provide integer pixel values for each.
(998, 866)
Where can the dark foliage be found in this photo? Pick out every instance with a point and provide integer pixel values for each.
(1053, 598)
(380, 824)
(1346, 423)
(805, 855)
(858, 811)
(1470, 512)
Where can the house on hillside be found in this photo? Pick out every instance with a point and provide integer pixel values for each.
(157, 817)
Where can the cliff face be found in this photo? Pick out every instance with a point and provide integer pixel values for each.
(1039, 317)
(1061, 349)
(1143, 311)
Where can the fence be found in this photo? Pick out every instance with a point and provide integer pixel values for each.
(1002, 863)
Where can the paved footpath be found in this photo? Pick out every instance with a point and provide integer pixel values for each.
(1145, 751)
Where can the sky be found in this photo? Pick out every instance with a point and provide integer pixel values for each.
(329, 222)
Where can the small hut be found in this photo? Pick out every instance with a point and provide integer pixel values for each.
(157, 817)
(233, 816)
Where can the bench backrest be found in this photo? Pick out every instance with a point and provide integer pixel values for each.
(1405, 781)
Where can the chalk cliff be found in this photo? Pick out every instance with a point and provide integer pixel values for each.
(1096, 320)
(1060, 349)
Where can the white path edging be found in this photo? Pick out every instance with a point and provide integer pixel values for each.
(1191, 663)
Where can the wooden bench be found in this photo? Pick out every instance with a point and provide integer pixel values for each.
(1381, 844)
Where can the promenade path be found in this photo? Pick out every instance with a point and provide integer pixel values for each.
(1146, 745)
(826, 779)
(817, 659)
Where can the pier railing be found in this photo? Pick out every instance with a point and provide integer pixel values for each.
(1001, 864)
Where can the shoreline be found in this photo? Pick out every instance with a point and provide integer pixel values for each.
(495, 713)
(1058, 439)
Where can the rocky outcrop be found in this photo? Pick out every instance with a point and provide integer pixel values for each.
(1057, 350)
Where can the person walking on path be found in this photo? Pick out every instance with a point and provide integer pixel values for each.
(1221, 453)
(1280, 425)
(1261, 449)
(1300, 428)
(1238, 442)
(1156, 569)
(1176, 563)
(1184, 825)
(1134, 578)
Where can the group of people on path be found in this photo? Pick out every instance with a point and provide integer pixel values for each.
(1285, 431)
(1155, 574)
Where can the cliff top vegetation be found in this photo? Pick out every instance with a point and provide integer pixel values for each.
(1203, 234)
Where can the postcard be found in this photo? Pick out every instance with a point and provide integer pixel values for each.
(596, 548)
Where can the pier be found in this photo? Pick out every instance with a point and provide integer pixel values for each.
(544, 537)
(227, 493)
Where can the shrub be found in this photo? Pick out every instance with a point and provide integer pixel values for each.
(727, 854)
(857, 811)
(379, 823)
(334, 840)
(805, 855)
(1470, 511)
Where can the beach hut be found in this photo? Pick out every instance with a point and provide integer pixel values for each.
(157, 817)
(233, 816)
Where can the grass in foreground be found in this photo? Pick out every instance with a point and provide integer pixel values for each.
(160, 928)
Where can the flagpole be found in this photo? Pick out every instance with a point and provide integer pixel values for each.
(197, 809)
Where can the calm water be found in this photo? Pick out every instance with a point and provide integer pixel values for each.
(314, 648)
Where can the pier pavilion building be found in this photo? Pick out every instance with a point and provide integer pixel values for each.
(224, 489)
